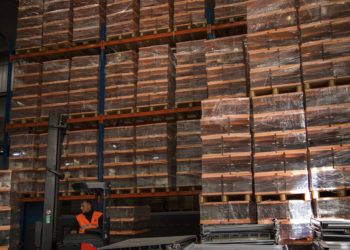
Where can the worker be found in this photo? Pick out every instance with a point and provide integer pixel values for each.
(89, 218)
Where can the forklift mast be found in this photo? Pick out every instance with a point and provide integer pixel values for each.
(56, 131)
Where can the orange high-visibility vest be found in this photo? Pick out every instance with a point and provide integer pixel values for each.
(85, 224)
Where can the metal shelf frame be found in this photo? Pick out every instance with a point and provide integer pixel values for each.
(103, 45)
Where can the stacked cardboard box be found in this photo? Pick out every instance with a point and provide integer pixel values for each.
(29, 25)
(225, 67)
(328, 126)
(119, 157)
(191, 78)
(26, 91)
(156, 15)
(57, 23)
(122, 18)
(120, 81)
(226, 162)
(188, 153)
(189, 13)
(230, 10)
(325, 40)
(155, 155)
(156, 77)
(88, 16)
(280, 160)
(83, 84)
(55, 86)
(79, 160)
(129, 220)
(272, 45)
(9, 215)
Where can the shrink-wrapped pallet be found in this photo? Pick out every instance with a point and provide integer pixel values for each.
(122, 18)
(55, 87)
(79, 161)
(119, 157)
(120, 81)
(57, 23)
(191, 78)
(83, 85)
(26, 91)
(156, 16)
(156, 77)
(226, 72)
(129, 220)
(29, 25)
(230, 10)
(155, 155)
(189, 13)
(88, 17)
(188, 153)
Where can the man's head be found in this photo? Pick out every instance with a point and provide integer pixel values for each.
(86, 206)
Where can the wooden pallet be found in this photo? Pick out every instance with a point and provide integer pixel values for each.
(282, 197)
(322, 83)
(296, 242)
(127, 232)
(275, 90)
(188, 188)
(225, 197)
(152, 107)
(154, 31)
(152, 189)
(121, 36)
(86, 42)
(28, 50)
(228, 221)
(56, 46)
(120, 111)
(330, 193)
(25, 120)
(130, 190)
(189, 26)
(188, 104)
(82, 115)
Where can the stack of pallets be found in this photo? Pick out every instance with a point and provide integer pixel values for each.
(230, 10)
(280, 160)
(226, 162)
(328, 126)
(324, 26)
(188, 154)
(9, 214)
(156, 78)
(29, 25)
(88, 16)
(155, 156)
(273, 45)
(119, 158)
(189, 14)
(226, 72)
(54, 87)
(57, 23)
(83, 85)
(26, 92)
(122, 18)
(128, 221)
(79, 160)
(191, 78)
(120, 82)
(156, 16)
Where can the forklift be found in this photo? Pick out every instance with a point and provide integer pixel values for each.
(54, 232)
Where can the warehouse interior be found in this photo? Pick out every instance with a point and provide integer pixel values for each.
(174, 124)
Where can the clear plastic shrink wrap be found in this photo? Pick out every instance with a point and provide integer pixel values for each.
(188, 153)
(122, 18)
(119, 156)
(191, 77)
(156, 76)
(120, 81)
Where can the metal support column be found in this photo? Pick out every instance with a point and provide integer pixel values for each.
(6, 144)
(209, 15)
(101, 106)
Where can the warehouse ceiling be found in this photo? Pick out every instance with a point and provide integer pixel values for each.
(8, 20)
